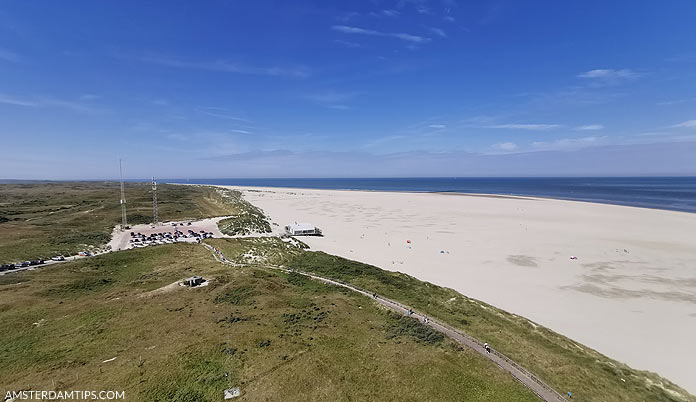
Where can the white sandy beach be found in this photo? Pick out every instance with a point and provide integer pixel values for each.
(631, 293)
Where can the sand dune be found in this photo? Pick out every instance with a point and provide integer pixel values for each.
(631, 292)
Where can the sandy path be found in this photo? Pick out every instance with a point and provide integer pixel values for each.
(631, 294)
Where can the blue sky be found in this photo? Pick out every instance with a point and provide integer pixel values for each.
(335, 88)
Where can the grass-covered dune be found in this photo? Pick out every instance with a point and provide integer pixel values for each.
(557, 360)
(42, 220)
(278, 337)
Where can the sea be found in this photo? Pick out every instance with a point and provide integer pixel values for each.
(670, 193)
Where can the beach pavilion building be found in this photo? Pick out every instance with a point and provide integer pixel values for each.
(302, 229)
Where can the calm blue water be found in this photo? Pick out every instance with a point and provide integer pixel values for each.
(673, 193)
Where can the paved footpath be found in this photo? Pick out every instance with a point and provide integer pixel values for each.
(542, 390)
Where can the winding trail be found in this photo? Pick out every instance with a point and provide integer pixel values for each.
(529, 380)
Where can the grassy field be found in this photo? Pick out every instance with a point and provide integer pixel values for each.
(278, 337)
(49, 219)
(564, 364)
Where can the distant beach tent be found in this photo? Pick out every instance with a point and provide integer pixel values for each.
(302, 229)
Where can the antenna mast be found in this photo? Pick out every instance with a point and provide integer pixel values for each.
(123, 198)
(154, 201)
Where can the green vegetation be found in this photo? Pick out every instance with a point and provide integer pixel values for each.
(406, 326)
(276, 336)
(562, 363)
(56, 218)
(248, 219)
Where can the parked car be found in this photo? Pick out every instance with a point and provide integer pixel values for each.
(59, 258)
(36, 262)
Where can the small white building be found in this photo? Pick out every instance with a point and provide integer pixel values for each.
(302, 229)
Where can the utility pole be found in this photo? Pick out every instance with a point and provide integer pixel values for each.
(123, 198)
(154, 201)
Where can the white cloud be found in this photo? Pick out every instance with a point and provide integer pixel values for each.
(346, 43)
(437, 126)
(361, 31)
(437, 31)
(390, 13)
(568, 143)
(229, 67)
(12, 57)
(671, 102)
(609, 74)
(686, 124)
(589, 127)
(47, 101)
(10, 100)
(526, 126)
(448, 18)
(505, 146)
(221, 113)
(331, 96)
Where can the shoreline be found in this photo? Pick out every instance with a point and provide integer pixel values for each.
(453, 193)
(631, 291)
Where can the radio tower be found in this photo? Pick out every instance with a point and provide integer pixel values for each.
(123, 198)
(154, 201)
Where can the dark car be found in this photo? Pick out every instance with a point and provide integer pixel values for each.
(36, 262)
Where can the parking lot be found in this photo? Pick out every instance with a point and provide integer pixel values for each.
(171, 232)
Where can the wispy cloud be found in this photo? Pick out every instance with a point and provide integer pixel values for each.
(331, 96)
(569, 143)
(437, 31)
(438, 126)
(385, 13)
(589, 127)
(505, 146)
(604, 77)
(12, 57)
(228, 67)
(47, 101)
(608, 73)
(361, 31)
(332, 99)
(517, 126)
(671, 102)
(221, 113)
(349, 44)
(10, 100)
(686, 124)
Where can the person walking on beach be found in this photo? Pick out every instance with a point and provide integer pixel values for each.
(488, 348)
